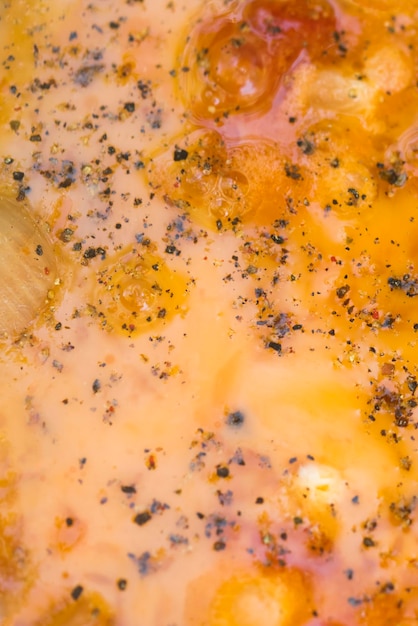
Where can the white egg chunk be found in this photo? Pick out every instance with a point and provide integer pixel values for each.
(27, 267)
(322, 484)
(389, 69)
(332, 90)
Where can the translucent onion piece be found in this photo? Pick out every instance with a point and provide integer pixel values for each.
(27, 268)
(407, 145)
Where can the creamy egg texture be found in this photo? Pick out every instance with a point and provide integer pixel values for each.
(208, 336)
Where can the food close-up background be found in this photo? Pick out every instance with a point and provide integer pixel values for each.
(208, 334)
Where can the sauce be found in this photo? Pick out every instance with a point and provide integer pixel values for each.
(208, 415)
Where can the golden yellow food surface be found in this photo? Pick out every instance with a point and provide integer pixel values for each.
(208, 313)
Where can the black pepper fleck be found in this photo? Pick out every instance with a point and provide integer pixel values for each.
(368, 542)
(180, 154)
(306, 145)
(222, 471)
(66, 235)
(235, 419)
(342, 291)
(76, 592)
(172, 250)
(293, 171)
(130, 489)
(142, 518)
(90, 253)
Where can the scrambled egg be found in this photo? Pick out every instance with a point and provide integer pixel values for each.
(208, 336)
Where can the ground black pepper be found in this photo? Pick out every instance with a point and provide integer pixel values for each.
(222, 471)
(142, 518)
(180, 154)
(368, 542)
(274, 345)
(235, 419)
(130, 489)
(76, 592)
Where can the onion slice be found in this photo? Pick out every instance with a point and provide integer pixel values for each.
(27, 267)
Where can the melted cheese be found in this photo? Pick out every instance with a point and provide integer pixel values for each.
(208, 408)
